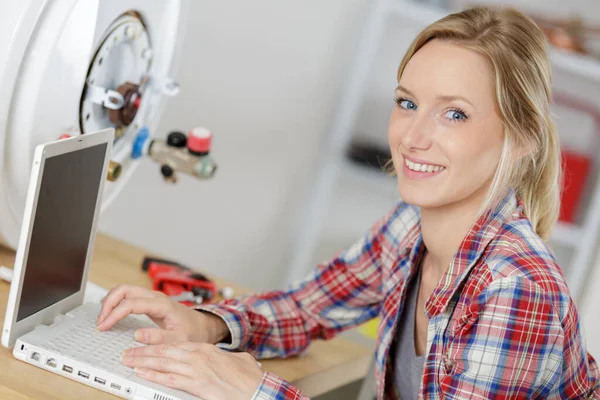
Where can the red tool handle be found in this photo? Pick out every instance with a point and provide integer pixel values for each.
(174, 279)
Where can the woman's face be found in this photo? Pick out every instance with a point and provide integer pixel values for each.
(445, 133)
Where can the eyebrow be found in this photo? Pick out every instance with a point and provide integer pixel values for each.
(445, 98)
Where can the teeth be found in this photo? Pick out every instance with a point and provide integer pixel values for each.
(422, 167)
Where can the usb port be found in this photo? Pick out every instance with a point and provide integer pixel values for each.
(100, 380)
(68, 369)
(84, 374)
(115, 386)
(51, 362)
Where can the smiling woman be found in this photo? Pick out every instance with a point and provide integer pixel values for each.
(470, 299)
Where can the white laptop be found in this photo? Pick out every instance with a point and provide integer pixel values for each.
(46, 319)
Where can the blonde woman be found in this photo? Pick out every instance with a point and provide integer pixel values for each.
(471, 301)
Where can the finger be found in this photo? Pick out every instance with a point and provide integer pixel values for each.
(198, 347)
(159, 336)
(207, 347)
(160, 350)
(119, 293)
(153, 307)
(160, 364)
(171, 380)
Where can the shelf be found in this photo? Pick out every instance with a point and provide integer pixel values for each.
(577, 64)
(567, 234)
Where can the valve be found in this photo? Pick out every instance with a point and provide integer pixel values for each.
(168, 173)
(199, 141)
(189, 154)
(177, 139)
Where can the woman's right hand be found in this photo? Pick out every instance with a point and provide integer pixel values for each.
(177, 322)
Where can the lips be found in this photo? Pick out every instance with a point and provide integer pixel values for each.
(419, 169)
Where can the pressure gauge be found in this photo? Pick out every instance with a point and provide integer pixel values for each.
(74, 66)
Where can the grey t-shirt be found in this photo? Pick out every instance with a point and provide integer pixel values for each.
(408, 368)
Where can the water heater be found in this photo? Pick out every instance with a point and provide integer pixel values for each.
(68, 67)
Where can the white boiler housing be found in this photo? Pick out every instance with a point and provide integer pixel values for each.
(58, 58)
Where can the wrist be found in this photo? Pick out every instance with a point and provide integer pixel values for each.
(232, 321)
(217, 329)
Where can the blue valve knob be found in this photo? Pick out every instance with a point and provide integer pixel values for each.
(139, 142)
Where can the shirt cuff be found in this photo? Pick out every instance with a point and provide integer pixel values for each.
(237, 322)
(273, 387)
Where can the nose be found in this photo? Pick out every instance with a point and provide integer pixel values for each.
(418, 134)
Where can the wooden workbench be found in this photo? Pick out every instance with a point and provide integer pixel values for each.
(327, 365)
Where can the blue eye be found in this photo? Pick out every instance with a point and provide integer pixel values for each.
(406, 104)
(455, 115)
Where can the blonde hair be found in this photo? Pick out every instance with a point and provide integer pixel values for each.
(517, 51)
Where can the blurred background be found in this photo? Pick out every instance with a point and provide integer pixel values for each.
(298, 96)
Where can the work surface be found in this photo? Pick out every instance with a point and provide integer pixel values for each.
(327, 365)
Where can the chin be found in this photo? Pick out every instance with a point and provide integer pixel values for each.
(423, 196)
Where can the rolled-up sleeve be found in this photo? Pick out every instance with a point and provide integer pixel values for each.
(273, 387)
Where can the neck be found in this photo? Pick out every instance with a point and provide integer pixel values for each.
(444, 229)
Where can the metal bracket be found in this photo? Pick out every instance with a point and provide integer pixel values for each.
(163, 85)
(170, 87)
(107, 98)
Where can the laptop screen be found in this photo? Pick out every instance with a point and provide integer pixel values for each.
(62, 228)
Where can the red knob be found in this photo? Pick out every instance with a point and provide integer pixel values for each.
(199, 140)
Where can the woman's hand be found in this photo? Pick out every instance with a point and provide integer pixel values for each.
(177, 322)
(198, 368)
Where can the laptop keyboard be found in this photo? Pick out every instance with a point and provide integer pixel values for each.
(83, 342)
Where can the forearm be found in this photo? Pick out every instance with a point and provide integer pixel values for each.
(338, 295)
(277, 324)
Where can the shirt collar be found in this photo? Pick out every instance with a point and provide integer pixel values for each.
(470, 250)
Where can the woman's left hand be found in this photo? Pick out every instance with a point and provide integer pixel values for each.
(201, 369)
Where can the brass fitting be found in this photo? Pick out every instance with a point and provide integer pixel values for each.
(114, 171)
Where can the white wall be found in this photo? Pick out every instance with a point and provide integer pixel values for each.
(264, 76)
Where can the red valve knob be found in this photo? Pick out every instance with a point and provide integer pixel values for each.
(199, 141)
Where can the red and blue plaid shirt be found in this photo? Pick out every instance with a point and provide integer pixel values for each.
(502, 323)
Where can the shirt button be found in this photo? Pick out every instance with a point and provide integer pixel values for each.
(448, 364)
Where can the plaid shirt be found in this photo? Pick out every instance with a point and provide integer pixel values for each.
(501, 321)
